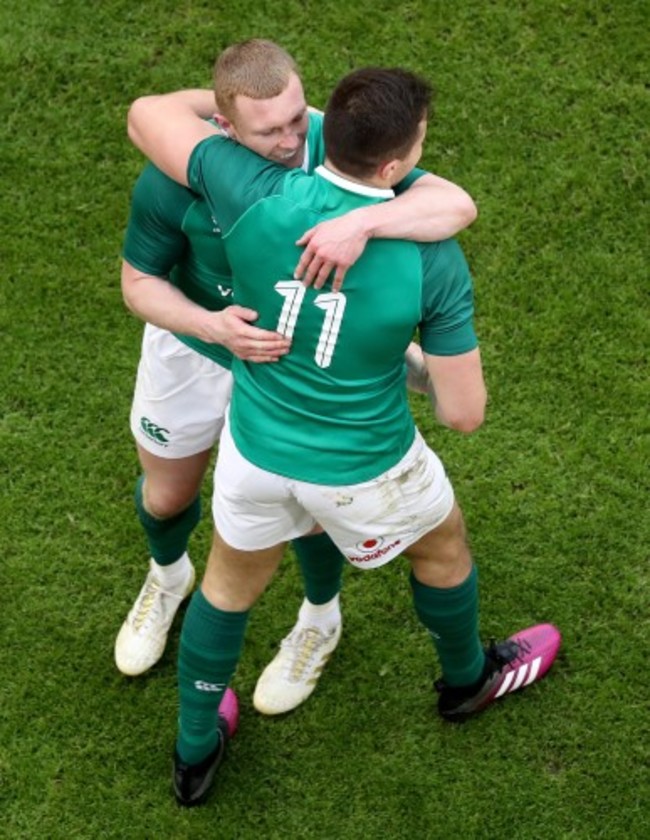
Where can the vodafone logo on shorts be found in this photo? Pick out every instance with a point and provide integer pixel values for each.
(369, 545)
(371, 550)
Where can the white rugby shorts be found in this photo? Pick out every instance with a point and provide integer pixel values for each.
(180, 397)
(371, 523)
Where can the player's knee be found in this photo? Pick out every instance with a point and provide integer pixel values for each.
(448, 565)
(166, 500)
(442, 557)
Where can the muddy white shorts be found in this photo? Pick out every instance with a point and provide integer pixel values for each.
(180, 397)
(371, 523)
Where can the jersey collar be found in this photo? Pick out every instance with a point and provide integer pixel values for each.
(305, 160)
(353, 186)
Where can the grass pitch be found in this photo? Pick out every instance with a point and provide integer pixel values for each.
(542, 114)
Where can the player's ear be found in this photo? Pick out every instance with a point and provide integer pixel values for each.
(386, 171)
(225, 125)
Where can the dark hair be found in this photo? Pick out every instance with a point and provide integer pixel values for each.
(373, 116)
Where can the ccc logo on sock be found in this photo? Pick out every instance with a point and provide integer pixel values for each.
(200, 685)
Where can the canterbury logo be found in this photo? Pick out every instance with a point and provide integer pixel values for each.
(524, 675)
(200, 685)
(154, 432)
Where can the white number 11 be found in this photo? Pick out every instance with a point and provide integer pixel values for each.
(333, 303)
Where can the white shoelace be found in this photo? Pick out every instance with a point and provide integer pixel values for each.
(304, 645)
(150, 605)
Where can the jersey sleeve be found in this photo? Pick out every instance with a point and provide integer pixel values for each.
(408, 180)
(315, 142)
(447, 326)
(154, 240)
(232, 178)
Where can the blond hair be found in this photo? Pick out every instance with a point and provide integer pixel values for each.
(256, 68)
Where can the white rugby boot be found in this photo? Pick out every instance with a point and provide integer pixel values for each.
(290, 678)
(143, 636)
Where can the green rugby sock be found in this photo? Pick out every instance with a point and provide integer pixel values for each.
(210, 647)
(451, 617)
(321, 565)
(167, 538)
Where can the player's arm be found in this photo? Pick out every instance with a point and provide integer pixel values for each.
(156, 301)
(459, 388)
(232, 178)
(430, 210)
(448, 338)
(153, 244)
(166, 128)
(458, 397)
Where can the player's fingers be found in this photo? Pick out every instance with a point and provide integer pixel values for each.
(279, 351)
(339, 276)
(307, 256)
(270, 347)
(263, 359)
(303, 262)
(323, 273)
(310, 269)
(264, 337)
(304, 239)
(242, 313)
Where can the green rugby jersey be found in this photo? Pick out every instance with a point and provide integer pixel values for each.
(334, 410)
(172, 233)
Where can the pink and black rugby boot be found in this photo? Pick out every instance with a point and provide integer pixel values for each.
(521, 660)
(192, 782)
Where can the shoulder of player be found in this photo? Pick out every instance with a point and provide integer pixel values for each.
(440, 256)
(304, 191)
(156, 191)
(210, 148)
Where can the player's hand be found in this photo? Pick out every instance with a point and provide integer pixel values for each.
(333, 245)
(233, 329)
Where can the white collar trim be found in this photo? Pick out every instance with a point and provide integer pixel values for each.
(353, 186)
(305, 160)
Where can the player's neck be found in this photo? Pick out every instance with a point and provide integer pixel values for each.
(371, 181)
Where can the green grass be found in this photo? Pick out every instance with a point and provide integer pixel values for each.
(543, 114)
